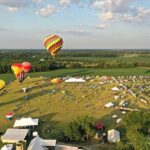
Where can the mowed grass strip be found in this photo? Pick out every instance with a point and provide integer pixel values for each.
(84, 72)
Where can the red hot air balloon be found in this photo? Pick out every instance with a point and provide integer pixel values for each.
(20, 74)
(26, 67)
(17, 69)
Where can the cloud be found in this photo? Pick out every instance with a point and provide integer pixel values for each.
(141, 15)
(37, 1)
(12, 9)
(113, 5)
(121, 10)
(101, 26)
(106, 16)
(46, 11)
(75, 32)
(64, 2)
(15, 3)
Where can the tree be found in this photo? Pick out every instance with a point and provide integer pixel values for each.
(122, 146)
(80, 129)
(137, 125)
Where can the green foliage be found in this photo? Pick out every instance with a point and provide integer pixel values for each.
(42, 61)
(81, 129)
(122, 146)
(137, 126)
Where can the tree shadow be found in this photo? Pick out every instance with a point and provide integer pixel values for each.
(47, 125)
(29, 112)
(147, 71)
(30, 97)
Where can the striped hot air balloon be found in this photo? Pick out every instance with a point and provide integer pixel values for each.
(53, 44)
(20, 74)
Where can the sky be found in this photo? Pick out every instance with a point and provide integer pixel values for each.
(83, 24)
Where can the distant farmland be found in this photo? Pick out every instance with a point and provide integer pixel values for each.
(85, 72)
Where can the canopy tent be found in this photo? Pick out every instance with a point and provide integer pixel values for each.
(115, 89)
(113, 136)
(14, 135)
(110, 104)
(40, 144)
(24, 122)
(75, 80)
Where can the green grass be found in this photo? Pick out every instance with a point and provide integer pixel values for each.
(84, 72)
(108, 59)
(58, 109)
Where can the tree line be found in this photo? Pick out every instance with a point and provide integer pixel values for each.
(42, 61)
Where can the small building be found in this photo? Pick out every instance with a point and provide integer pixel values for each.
(41, 144)
(26, 122)
(15, 135)
(113, 136)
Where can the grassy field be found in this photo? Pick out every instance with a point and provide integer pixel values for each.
(109, 59)
(84, 72)
(57, 105)
(56, 109)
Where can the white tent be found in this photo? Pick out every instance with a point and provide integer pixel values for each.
(113, 136)
(75, 80)
(115, 89)
(7, 147)
(23, 122)
(110, 104)
(40, 144)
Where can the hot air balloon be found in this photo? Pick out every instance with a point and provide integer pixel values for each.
(21, 76)
(53, 44)
(26, 67)
(56, 81)
(16, 68)
(2, 84)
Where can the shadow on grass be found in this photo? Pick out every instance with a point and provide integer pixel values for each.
(29, 112)
(37, 86)
(147, 71)
(47, 126)
(30, 97)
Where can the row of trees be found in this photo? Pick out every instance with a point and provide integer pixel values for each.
(42, 61)
(39, 66)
